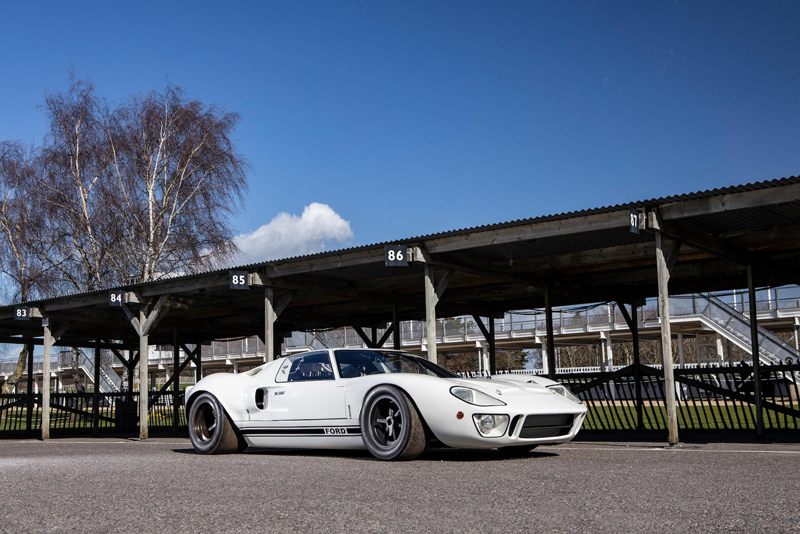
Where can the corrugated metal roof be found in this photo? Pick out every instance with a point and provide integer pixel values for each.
(712, 223)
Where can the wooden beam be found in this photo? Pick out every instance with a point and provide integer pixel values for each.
(48, 343)
(672, 256)
(712, 244)
(530, 231)
(484, 269)
(269, 324)
(133, 320)
(666, 338)
(756, 354)
(338, 261)
(176, 376)
(430, 313)
(550, 343)
(442, 285)
(287, 298)
(733, 201)
(155, 315)
(96, 395)
(367, 341)
(385, 336)
(396, 339)
(144, 378)
(489, 336)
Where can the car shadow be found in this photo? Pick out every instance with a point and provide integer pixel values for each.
(432, 455)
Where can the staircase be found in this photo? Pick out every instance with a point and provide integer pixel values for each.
(110, 381)
(735, 326)
(316, 340)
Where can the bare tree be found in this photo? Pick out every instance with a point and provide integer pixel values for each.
(20, 225)
(177, 177)
(77, 159)
(138, 191)
(132, 192)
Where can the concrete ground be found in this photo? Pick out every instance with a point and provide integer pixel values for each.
(161, 485)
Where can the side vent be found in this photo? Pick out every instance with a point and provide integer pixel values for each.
(261, 398)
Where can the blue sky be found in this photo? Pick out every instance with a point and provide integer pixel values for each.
(408, 118)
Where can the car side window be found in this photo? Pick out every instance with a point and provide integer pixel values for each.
(306, 367)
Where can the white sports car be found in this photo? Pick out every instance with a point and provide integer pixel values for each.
(389, 402)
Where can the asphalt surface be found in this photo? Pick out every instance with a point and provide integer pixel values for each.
(161, 485)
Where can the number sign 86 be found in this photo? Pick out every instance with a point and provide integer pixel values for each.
(395, 255)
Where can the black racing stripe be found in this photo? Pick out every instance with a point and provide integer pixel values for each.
(295, 431)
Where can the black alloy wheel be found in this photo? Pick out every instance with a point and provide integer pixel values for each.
(211, 429)
(390, 425)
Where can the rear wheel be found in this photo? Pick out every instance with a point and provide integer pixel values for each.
(390, 425)
(211, 429)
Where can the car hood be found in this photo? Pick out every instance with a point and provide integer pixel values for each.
(496, 387)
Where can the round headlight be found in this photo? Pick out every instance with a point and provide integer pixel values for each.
(491, 425)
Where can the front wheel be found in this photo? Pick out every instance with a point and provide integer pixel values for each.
(210, 428)
(390, 425)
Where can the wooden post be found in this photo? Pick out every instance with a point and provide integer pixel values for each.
(48, 343)
(144, 372)
(396, 340)
(755, 352)
(492, 348)
(269, 324)
(637, 370)
(176, 379)
(96, 394)
(430, 313)
(551, 346)
(129, 367)
(31, 397)
(198, 360)
(666, 338)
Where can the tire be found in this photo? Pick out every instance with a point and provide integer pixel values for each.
(390, 425)
(211, 429)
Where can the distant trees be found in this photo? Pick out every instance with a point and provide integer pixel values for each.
(461, 362)
(118, 193)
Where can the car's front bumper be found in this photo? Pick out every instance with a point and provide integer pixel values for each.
(523, 429)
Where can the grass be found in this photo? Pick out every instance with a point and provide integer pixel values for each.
(16, 420)
(690, 417)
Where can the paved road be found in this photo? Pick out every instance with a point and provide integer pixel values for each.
(161, 485)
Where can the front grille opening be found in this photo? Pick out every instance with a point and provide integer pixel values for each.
(513, 426)
(546, 426)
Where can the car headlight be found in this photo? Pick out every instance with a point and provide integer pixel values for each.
(475, 397)
(491, 426)
(564, 392)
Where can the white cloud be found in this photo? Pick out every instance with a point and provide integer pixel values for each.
(288, 235)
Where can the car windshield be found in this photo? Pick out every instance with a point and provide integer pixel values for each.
(353, 363)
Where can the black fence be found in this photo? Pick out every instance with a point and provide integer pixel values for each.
(74, 414)
(712, 398)
(632, 398)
